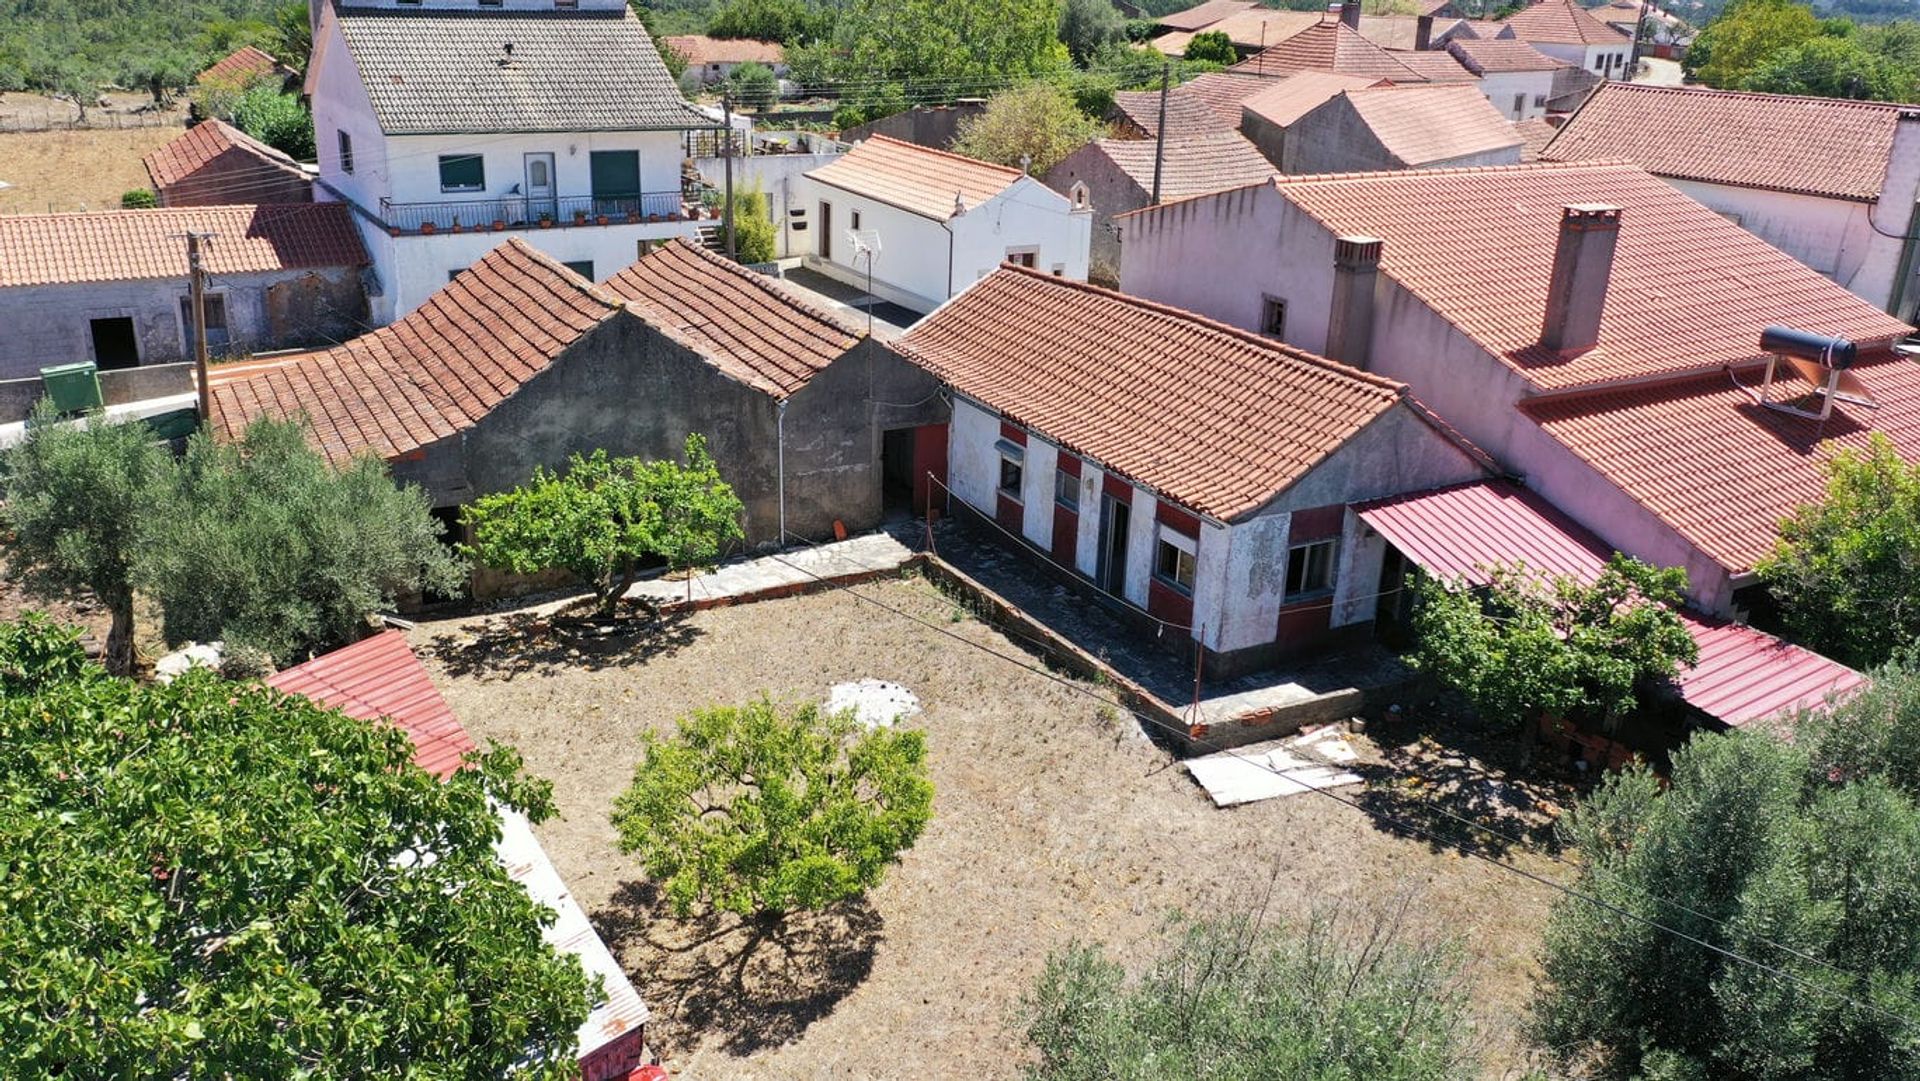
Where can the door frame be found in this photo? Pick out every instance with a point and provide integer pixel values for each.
(826, 230)
(550, 202)
(1116, 521)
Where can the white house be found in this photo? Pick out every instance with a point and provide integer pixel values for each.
(712, 60)
(448, 124)
(1516, 77)
(1564, 29)
(1592, 328)
(1197, 478)
(1832, 183)
(942, 221)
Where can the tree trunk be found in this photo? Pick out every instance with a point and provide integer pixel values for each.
(119, 649)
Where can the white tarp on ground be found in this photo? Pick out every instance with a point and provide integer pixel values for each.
(1282, 767)
(875, 703)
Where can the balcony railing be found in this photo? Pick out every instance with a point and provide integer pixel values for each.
(522, 212)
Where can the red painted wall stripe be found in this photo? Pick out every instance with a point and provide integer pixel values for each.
(1316, 523)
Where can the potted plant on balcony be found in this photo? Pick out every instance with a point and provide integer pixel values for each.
(427, 227)
(579, 217)
(499, 225)
(633, 217)
(456, 224)
(546, 219)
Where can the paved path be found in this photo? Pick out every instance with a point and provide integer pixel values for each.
(772, 575)
(1658, 72)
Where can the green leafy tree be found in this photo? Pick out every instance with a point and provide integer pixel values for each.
(262, 543)
(208, 880)
(1229, 1000)
(1036, 124)
(1212, 46)
(1089, 27)
(753, 86)
(74, 496)
(276, 119)
(1844, 568)
(1833, 67)
(753, 235)
(292, 35)
(762, 811)
(1745, 35)
(605, 517)
(1529, 645)
(1755, 851)
(943, 40)
(786, 21)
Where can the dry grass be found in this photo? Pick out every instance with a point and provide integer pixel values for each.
(74, 170)
(1052, 822)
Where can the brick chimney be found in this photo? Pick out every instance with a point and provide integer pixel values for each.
(1356, 264)
(1350, 13)
(1582, 263)
(1422, 33)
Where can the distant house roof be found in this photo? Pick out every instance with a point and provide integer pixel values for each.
(916, 179)
(1223, 92)
(1438, 66)
(1215, 419)
(261, 171)
(241, 67)
(1295, 96)
(1535, 133)
(1200, 16)
(1477, 30)
(136, 245)
(1719, 468)
(435, 372)
(1742, 675)
(1827, 147)
(1425, 125)
(1188, 115)
(1502, 56)
(438, 72)
(1562, 22)
(1255, 29)
(1689, 290)
(1329, 46)
(380, 678)
(1192, 167)
(746, 324)
(698, 49)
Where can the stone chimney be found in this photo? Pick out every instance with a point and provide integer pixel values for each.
(1356, 264)
(1422, 33)
(1582, 263)
(1350, 13)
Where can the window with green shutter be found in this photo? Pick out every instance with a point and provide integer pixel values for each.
(616, 174)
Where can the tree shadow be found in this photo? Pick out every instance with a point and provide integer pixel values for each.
(1446, 779)
(523, 643)
(748, 984)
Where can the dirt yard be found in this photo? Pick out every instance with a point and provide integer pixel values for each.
(88, 169)
(1054, 819)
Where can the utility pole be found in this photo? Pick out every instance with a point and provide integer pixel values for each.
(197, 300)
(1160, 130)
(726, 155)
(1639, 28)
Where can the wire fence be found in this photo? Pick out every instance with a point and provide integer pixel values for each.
(56, 117)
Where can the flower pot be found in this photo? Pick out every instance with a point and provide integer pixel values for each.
(600, 220)
(633, 217)
(652, 218)
(455, 229)
(580, 218)
(546, 223)
(499, 226)
(426, 228)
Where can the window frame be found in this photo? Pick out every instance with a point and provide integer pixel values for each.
(1271, 305)
(343, 146)
(1027, 257)
(1013, 461)
(479, 161)
(1185, 553)
(1070, 482)
(1331, 545)
(223, 328)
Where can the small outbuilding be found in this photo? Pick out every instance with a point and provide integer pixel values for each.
(215, 163)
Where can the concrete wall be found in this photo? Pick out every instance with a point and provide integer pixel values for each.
(122, 387)
(779, 176)
(1607, 61)
(1110, 190)
(923, 125)
(1533, 89)
(50, 324)
(913, 267)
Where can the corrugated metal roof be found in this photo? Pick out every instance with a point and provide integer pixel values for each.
(1743, 675)
(381, 678)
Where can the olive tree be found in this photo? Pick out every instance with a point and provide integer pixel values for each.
(206, 879)
(761, 811)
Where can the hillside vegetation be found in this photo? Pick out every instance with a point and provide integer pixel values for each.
(76, 47)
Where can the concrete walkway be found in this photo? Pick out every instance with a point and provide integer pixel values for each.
(785, 574)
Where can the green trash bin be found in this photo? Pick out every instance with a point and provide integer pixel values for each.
(74, 388)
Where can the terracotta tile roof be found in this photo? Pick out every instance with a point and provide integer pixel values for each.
(1535, 133)
(916, 179)
(1188, 115)
(1813, 146)
(1223, 92)
(1396, 32)
(1483, 30)
(240, 67)
(1193, 167)
(1690, 290)
(1562, 22)
(698, 49)
(1497, 57)
(1720, 469)
(433, 373)
(442, 72)
(1437, 66)
(135, 245)
(746, 324)
(1213, 418)
(1295, 96)
(1255, 29)
(379, 678)
(1329, 46)
(1742, 675)
(1423, 125)
(207, 141)
(1200, 16)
